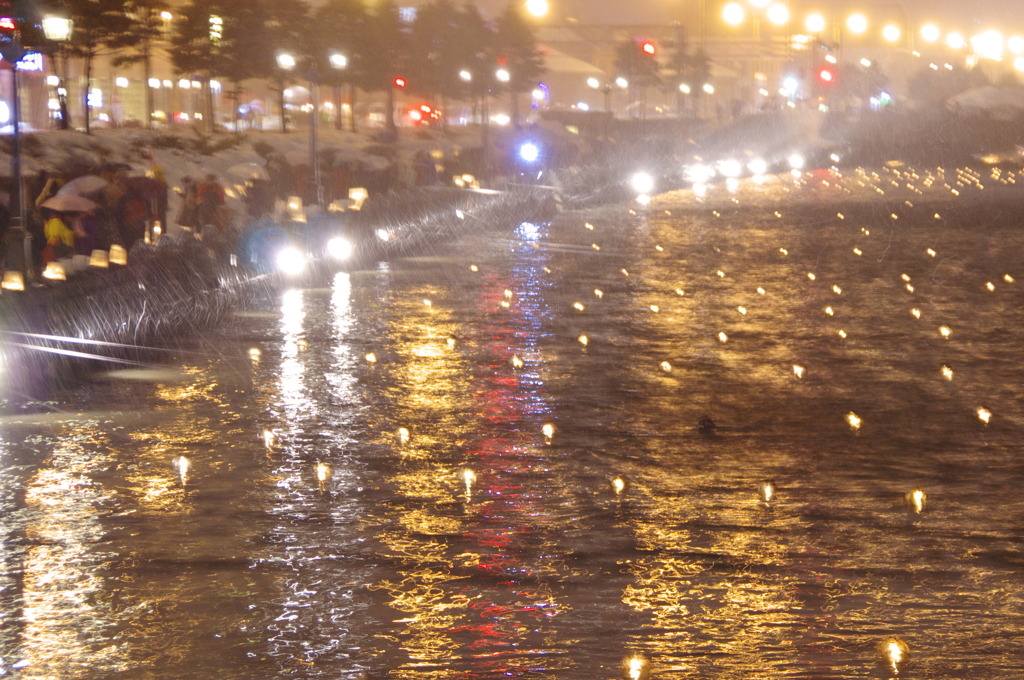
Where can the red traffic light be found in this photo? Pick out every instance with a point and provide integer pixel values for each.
(826, 75)
(648, 48)
(400, 82)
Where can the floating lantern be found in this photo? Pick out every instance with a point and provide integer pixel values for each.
(504, 304)
(904, 277)
(403, 435)
(578, 306)
(549, 432)
(984, 415)
(474, 268)
(893, 653)
(427, 303)
(323, 472)
(931, 252)
(722, 337)
(842, 333)
(516, 361)
(595, 246)
(991, 286)
(944, 331)
(268, 438)
(811, 276)
(837, 290)
(508, 293)
(857, 251)
(910, 288)
(783, 251)
(853, 420)
(680, 291)
(741, 310)
(451, 343)
(655, 309)
(659, 249)
(636, 668)
(760, 291)
(181, 465)
(619, 485)
(665, 366)
(599, 293)
(1007, 278)
(947, 372)
(721, 274)
(916, 313)
(766, 490)
(916, 500)
(588, 225)
(583, 340)
(828, 310)
(624, 272)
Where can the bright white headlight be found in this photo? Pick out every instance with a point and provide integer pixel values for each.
(796, 161)
(339, 248)
(290, 261)
(758, 166)
(383, 234)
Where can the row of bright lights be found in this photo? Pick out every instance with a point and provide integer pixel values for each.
(156, 83)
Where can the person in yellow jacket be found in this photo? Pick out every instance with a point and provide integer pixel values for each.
(60, 239)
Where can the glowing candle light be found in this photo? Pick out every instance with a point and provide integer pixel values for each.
(741, 310)
(853, 420)
(371, 358)
(722, 337)
(760, 291)
(947, 372)
(811, 276)
(842, 334)
(403, 435)
(618, 485)
(583, 340)
(655, 308)
(766, 490)
(916, 313)
(680, 291)
(828, 310)
(599, 293)
(181, 465)
(916, 500)
(857, 251)
(516, 361)
(549, 432)
(984, 415)
(991, 286)
(837, 290)
(931, 252)
(323, 472)
(893, 652)
(473, 268)
(798, 370)
(1008, 278)
(268, 438)
(665, 366)
(944, 331)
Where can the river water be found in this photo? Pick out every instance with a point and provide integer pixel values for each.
(412, 517)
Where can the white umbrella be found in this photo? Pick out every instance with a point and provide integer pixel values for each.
(69, 203)
(248, 171)
(80, 186)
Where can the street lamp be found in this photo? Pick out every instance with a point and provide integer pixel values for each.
(733, 14)
(891, 33)
(955, 41)
(815, 23)
(778, 14)
(538, 8)
(930, 33)
(857, 23)
(285, 62)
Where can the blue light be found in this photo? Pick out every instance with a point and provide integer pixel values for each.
(529, 152)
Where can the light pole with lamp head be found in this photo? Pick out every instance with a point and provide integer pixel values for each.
(285, 62)
(19, 241)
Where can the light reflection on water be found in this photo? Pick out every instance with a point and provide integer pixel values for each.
(410, 519)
